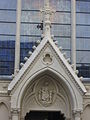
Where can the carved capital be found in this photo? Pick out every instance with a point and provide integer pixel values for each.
(15, 111)
(77, 114)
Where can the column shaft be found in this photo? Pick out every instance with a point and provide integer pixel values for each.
(15, 117)
(17, 44)
(77, 115)
(73, 33)
(77, 118)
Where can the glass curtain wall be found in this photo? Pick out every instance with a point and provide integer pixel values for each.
(83, 37)
(61, 24)
(31, 17)
(7, 36)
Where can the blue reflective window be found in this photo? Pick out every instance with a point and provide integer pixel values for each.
(63, 42)
(7, 4)
(7, 16)
(32, 4)
(7, 36)
(83, 19)
(61, 30)
(83, 56)
(7, 57)
(82, 6)
(30, 29)
(30, 38)
(83, 36)
(8, 28)
(30, 16)
(83, 31)
(83, 44)
(61, 17)
(61, 5)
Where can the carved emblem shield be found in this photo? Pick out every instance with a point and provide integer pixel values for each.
(45, 93)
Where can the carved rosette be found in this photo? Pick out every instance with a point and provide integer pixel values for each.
(45, 92)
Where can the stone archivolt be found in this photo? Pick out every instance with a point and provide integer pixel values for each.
(44, 94)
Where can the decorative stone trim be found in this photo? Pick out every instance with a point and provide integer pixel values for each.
(15, 111)
(63, 64)
(47, 58)
(67, 70)
(45, 92)
(15, 114)
(77, 114)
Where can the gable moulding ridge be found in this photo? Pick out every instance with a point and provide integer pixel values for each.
(67, 71)
(57, 52)
(30, 66)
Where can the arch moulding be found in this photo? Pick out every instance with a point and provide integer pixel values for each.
(75, 98)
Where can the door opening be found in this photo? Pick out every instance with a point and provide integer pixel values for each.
(44, 115)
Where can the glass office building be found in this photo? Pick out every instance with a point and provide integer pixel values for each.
(31, 17)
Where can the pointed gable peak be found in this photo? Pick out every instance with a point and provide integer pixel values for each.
(50, 44)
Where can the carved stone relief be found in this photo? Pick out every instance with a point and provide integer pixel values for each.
(47, 58)
(45, 92)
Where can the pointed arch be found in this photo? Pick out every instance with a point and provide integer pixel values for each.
(76, 101)
(5, 103)
(4, 110)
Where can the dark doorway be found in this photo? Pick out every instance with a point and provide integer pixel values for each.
(44, 115)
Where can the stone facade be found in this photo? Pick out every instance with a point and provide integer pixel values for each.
(46, 82)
